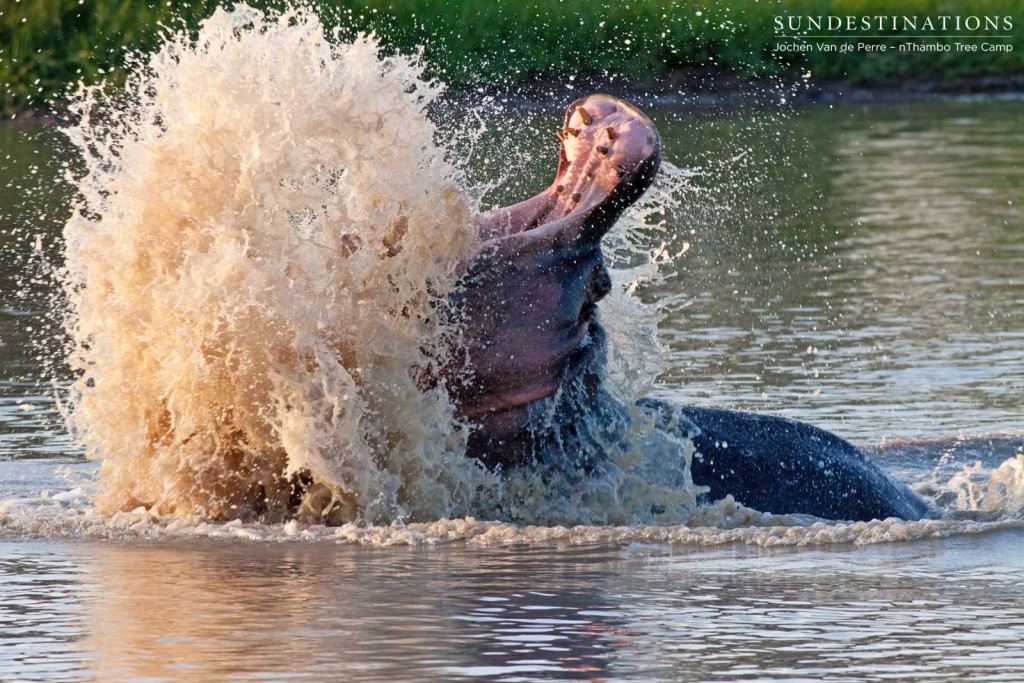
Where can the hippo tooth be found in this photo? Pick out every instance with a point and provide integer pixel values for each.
(620, 170)
(559, 188)
(576, 196)
(611, 133)
(602, 149)
(572, 131)
(584, 116)
(561, 136)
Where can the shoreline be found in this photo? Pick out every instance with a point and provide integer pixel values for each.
(708, 90)
(699, 90)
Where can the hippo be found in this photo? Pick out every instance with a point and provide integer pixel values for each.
(531, 335)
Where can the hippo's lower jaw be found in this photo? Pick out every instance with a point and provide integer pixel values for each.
(528, 313)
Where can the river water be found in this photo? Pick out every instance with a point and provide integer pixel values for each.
(859, 267)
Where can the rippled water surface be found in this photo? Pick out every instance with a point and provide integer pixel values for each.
(225, 611)
(857, 267)
(887, 299)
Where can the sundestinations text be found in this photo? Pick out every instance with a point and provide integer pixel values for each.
(892, 23)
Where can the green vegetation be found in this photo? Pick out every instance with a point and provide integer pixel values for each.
(45, 45)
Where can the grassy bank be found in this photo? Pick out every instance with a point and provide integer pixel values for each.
(47, 44)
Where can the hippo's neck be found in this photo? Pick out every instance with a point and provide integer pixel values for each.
(569, 429)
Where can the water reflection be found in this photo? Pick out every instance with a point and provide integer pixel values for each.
(223, 611)
(232, 612)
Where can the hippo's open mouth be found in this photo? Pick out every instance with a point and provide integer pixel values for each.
(529, 292)
(609, 154)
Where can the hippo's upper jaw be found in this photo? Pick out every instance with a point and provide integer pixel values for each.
(529, 291)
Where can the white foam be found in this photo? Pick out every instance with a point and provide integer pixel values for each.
(719, 524)
(64, 510)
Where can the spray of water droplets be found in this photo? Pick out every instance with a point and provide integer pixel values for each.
(267, 225)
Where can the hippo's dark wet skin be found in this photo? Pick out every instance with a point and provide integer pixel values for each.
(531, 329)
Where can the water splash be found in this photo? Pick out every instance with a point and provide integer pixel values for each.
(268, 226)
(642, 252)
(264, 231)
(988, 493)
